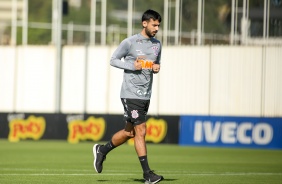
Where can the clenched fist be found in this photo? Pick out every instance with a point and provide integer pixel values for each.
(137, 64)
(156, 68)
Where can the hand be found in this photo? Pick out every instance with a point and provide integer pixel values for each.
(137, 64)
(156, 68)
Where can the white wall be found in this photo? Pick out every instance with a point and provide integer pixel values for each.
(98, 76)
(7, 78)
(236, 80)
(184, 80)
(205, 80)
(27, 78)
(272, 89)
(73, 79)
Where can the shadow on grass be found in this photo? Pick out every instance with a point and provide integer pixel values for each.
(164, 180)
(135, 180)
(103, 180)
(113, 181)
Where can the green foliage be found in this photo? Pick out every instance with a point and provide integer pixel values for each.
(79, 16)
(39, 36)
(41, 11)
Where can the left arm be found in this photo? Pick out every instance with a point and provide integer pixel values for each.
(157, 64)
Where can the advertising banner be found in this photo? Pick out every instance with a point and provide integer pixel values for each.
(81, 127)
(222, 131)
(164, 129)
(33, 126)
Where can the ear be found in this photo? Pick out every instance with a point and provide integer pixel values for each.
(144, 23)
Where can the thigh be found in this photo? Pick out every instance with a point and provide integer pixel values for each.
(129, 129)
(135, 110)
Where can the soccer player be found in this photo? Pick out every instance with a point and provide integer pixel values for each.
(141, 54)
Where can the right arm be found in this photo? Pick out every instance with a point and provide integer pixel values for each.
(121, 52)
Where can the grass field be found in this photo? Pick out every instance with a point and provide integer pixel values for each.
(60, 162)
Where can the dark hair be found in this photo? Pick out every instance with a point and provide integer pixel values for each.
(151, 14)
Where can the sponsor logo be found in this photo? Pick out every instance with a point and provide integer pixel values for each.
(30, 128)
(139, 41)
(155, 132)
(90, 129)
(146, 64)
(139, 92)
(134, 114)
(232, 132)
(156, 50)
(139, 52)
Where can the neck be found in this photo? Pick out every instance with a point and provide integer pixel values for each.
(143, 33)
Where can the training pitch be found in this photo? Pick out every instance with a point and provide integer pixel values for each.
(48, 162)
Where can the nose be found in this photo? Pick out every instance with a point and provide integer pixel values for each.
(157, 28)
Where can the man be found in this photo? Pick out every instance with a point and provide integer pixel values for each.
(141, 54)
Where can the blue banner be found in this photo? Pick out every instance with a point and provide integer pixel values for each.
(222, 131)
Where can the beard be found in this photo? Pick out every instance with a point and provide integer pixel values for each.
(149, 33)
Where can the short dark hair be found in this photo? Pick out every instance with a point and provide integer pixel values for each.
(151, 14)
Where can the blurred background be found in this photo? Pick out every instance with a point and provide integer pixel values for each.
(221, 61)
(107, 22)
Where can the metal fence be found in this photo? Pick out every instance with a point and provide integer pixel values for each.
(185, 22)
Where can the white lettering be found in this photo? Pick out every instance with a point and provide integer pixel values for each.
(231, 132)
(242, 133)
(70, 118)
(15, 116)
(198, 136)
(211, 134)
(228, 132)
(262, 134)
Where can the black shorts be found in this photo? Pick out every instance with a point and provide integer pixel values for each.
(135, 110)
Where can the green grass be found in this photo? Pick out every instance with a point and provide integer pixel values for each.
(61, 162)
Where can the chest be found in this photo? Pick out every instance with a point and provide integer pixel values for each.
(146, 49)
